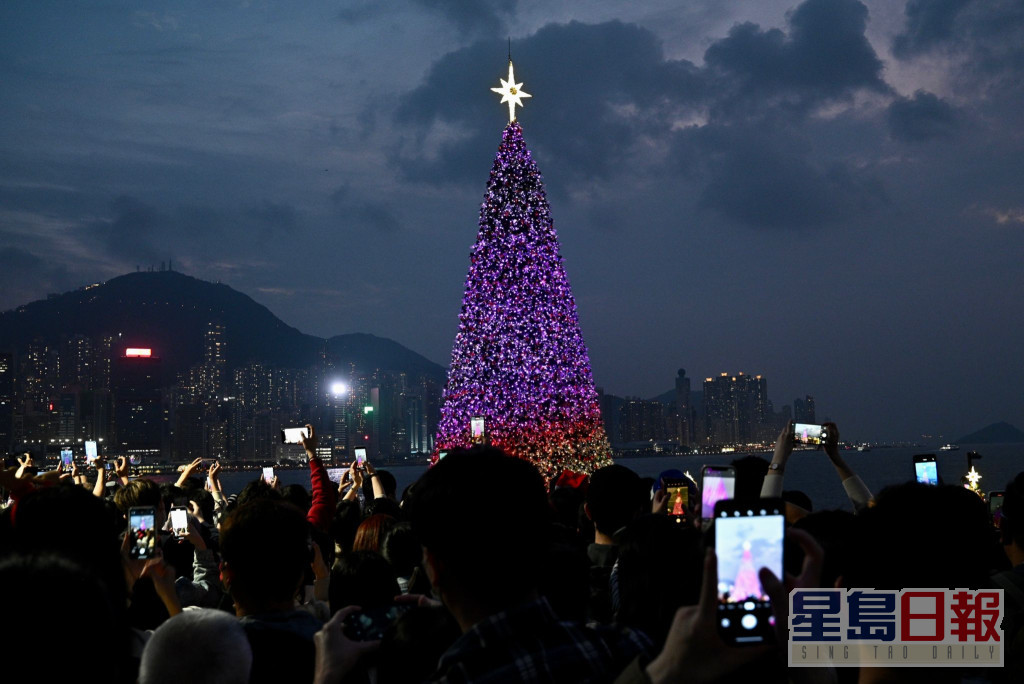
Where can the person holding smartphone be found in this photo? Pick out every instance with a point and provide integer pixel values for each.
(856, 490)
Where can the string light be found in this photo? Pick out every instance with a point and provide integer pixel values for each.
(519, 359)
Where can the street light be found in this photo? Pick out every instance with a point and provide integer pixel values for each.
(339, 388)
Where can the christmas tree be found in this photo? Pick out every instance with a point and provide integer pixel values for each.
(519, 360)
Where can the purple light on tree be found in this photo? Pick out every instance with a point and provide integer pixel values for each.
(519, 359)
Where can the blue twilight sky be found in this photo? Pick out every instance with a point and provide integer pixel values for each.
(829, 193)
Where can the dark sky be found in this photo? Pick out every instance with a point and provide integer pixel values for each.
(829, 193)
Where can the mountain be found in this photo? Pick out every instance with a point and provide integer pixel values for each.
(169, 312)
(996, 433)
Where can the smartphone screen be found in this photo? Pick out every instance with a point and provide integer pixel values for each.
(179, 521)
(925, 469)
(748, 537)
(142, 531)
(476, 430)
(268, 475)
(807, 434)
(335, 474)
(90, 451)
(678, 499)
(718, 483)
(995, 502)
(294, 435)
(360, 456)
(66, 457)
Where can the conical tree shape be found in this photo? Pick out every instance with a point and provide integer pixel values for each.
(519, 359)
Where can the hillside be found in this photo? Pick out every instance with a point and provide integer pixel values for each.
(169, 312)
(996, 433)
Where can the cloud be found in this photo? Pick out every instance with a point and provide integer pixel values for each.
(23, 275)
(475, 17)
(769, 181)
(922, 117)
(929, 24)
(128, 233)
(825, 56)
(361, 213)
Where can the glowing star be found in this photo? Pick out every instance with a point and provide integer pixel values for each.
(510, 92)
(973, 476)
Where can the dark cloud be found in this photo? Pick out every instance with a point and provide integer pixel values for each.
(772, 181)
(129, 233)
(24, 274)
(361, 213)
(825, 56)
(475, 17)
(986, 37)
(929, 24)
(922, 117)
(274, 217)
(612, 104)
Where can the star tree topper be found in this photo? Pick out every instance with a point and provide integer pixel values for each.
(510, 92)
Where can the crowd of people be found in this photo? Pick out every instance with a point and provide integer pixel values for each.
(480, 571)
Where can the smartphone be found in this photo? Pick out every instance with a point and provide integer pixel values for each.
(809, 434)
(66, 457)
(294, 435)
(179, 521)
(476, 430)
(336, 474)
(678, 498)
(360, 453)
(108, 466)
(717, 483)
(372, 623)
(748, 537)
(142, 532)
(90, 451)
(268, 475)
(926, 470)
(995, 502)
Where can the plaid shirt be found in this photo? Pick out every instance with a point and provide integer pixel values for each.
(529, 644)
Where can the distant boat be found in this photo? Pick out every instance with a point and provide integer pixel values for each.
(864, 447)
(949, 447)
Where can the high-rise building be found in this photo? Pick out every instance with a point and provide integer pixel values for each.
(138, 409)
(803, 410)
(736, 409)
(7, 398)
(642, 420)
(683, 423)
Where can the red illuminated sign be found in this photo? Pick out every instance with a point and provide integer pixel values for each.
(135, 352)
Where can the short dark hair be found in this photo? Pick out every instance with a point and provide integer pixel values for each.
(362, 578)
(388, 483)
(141, 492)
(266, 546)
(484, 515)
(615, 498)
(401, 549)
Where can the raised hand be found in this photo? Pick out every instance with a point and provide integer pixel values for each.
(310, 443)
(336, 654)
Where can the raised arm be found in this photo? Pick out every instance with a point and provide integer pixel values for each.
(187, 470)
(856, 490)
(772, 486)
(100, 488)
(371, 472)
(325, 497)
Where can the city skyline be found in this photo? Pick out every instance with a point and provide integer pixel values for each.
(826, 192)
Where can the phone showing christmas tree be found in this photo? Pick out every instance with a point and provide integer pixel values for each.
(748, 537)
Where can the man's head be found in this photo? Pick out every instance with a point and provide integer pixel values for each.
(197, 646)
(141, 492)
(482, 518)
(615, 498)
(265, 549)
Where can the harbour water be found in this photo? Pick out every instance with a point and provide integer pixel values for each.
(808, 471)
